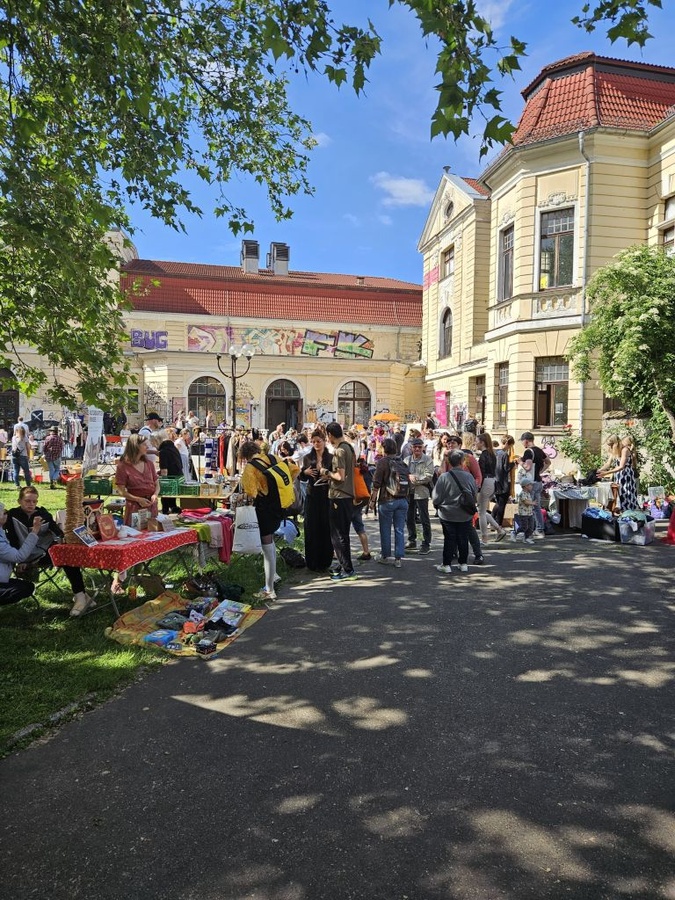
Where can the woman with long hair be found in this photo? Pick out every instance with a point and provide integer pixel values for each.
(136, 478)
(626, 475)
(504, 474)
(318, 544)
(611, 465)
(487, 462)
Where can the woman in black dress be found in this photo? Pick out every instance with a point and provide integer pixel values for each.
(318, 545)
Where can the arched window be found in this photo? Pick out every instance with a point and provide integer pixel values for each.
(353, 404)
(283, 403)
(207, 394)
(445, 336)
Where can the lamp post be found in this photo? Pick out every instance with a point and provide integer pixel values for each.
(245, 353)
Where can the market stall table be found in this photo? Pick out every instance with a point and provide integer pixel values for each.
(120, 554)
(572, 500)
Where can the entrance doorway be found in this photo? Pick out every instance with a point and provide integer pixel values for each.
(283, 403)
(9, 404)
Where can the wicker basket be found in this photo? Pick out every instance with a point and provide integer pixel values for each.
(74, 509)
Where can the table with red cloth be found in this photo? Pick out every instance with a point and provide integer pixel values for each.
(120, 554)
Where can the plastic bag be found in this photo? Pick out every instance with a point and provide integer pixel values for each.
(246, 531)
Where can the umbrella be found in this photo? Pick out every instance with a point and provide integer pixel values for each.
(385, 417)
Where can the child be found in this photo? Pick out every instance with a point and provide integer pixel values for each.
(524, 520)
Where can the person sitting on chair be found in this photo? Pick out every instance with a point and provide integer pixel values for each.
(12, 590)
(20, 523)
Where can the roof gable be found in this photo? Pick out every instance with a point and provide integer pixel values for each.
(451, 190)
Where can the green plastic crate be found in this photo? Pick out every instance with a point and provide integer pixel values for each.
(191, 490)
(171, 485)
(95, 485)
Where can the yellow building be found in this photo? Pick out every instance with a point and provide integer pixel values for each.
(507, 257)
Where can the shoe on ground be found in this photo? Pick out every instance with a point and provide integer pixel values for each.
(424, 549)
(520, 536)
(267, 596)
(500, 536)
(463, 567)
(446, 570)
(345, 576)
(82, 603)
(529, 540)
(397, 563)
(539, 535)
(411, 545)
(364, 557)
(383, 560)
(512, 538)
(477, 561)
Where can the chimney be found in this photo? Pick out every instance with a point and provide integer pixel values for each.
(250, 254)
(278, 258)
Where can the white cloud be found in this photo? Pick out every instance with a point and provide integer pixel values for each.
(352, 219)
(494, 11)
(400, 191)
(322, 139)
(385, 220)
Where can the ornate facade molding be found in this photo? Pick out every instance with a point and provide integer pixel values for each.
(560, 198)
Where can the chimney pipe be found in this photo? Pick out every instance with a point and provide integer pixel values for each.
(278, 258)
(250, 255)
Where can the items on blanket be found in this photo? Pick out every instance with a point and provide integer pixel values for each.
(203, 631)
(636, 527)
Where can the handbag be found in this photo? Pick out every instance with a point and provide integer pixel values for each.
(361, 492)
(466, 500)
(246, 531)
(510, 511)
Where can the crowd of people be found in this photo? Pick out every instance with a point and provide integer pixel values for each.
(391, 472)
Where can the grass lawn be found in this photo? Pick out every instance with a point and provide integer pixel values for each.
(50, 661)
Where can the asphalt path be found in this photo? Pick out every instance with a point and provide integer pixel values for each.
(409, 736)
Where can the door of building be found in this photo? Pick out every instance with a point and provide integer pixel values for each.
(283, 403)
(9, 404)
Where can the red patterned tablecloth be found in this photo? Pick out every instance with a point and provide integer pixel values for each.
(119, 555)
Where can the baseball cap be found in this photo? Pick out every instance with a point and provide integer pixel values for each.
(526, 479)
(527, 436)
(153, 417)
(55, 429)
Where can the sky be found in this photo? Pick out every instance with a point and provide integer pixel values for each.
(375, 169)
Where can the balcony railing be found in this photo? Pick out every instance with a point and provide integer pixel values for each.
(537, 306)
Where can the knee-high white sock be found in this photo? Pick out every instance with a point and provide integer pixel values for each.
(270, 564)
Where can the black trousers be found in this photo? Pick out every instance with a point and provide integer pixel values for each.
(421, 506)
(340, 521)
(455, 541)
(14, 590)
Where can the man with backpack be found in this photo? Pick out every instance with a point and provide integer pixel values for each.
(340, 479)
(268, 481)
(391, 488)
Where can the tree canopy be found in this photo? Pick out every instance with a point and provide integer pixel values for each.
(110, 103)
(630, 338)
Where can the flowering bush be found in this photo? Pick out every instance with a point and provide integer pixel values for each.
(578, 450)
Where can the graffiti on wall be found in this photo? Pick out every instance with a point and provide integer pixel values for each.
(281, 341)
(149, 340)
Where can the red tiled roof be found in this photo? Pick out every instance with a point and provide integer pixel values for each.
(190, 289)
(477, 186)
(586, 90)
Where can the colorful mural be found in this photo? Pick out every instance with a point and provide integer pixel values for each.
(281, 341)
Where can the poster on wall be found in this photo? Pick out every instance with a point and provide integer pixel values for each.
(441, 409)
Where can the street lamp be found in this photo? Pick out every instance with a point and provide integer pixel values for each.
(236, 354)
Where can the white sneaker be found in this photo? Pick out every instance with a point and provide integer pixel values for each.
(539, 535)
(512, 538)
(397, 563)
(446, 570)
(520, 536)
(383, 560)
(529, 540)
(463, 567)
(265, 595)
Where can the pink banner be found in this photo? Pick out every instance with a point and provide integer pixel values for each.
(441, 409)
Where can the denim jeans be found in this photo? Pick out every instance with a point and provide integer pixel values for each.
(536, 496)
(393, 512)
(21, 463)
(54, 470)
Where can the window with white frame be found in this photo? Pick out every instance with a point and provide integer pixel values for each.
(445, 336)
(556, 249)
(552, 375)
(448, 263)
(668, 234)
(506, 264)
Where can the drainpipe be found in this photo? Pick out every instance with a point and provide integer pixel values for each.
(584, 268)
